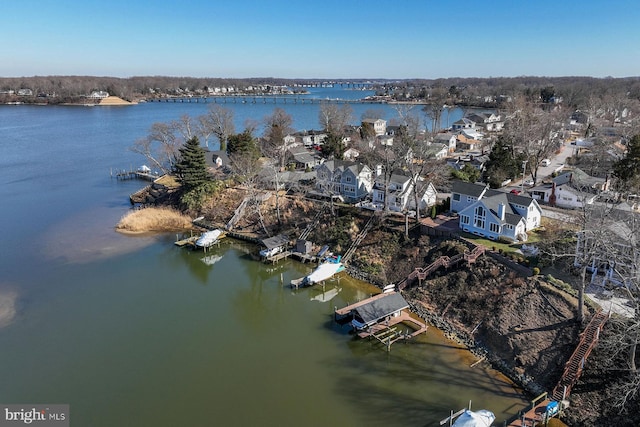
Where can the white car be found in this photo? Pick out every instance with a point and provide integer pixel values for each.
(529, 183)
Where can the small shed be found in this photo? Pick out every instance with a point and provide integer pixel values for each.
(378, 309)
(304, 246)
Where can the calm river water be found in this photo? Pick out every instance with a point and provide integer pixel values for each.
(132, 331)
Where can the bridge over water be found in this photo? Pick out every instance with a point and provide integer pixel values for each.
(262, 99)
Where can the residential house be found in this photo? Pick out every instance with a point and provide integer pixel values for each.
(494, 214)
(99, 94)
(350, 154)
(460, 162)
(303, 158)
(25, 92)
(400, 190)
(436, 151)
(490, 122)
(463, 123)
(466, 143)
(570, 190)
(379, 126)
(353, 181)
(447, 138)
(313, 138)
(470, 133)
(216, 159)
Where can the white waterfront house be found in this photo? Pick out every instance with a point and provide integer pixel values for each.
(494, 214)
(400, 192)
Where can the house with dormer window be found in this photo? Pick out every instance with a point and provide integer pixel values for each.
(494, 214)
(353, 181)
(400, 192)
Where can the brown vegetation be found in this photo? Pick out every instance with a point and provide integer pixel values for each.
(154, 219)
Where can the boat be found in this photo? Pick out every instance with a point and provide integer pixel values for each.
(209, 238)
(324, 271)
(481, 418)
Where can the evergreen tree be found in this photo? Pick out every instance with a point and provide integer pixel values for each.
(627, 169)
(502, 164)
(191, 168)
(242, 143)
(333, 146)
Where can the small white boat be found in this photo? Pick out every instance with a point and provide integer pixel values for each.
(481, 418)
(324, 271)
(209, 238)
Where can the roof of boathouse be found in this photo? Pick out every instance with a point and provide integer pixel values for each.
(275, 241)
(380, 308)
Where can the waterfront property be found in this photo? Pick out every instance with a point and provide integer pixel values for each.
(377, 317)
(494, 214)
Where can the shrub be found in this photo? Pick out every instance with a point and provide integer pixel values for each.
(536, 271)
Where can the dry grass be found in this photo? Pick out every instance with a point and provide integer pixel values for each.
(154, 220)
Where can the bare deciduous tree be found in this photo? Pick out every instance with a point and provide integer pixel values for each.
(334, 119)
(219, 122)
(533, 132)
(277, 127)
(160, 147)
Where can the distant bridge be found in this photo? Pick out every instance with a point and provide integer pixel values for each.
(261, 99)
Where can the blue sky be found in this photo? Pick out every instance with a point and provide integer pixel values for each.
(320, 39)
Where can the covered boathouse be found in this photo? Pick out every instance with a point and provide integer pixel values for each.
(377, 317)
(373, 310)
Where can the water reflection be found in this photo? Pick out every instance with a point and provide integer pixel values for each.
(8, 304)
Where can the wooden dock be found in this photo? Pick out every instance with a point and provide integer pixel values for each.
(131, 174)
(382, 329)
(536, 415)
(191, 241)
(277, 257)
(382, 318)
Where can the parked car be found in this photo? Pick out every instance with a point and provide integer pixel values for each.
(515, 191)
(545, 162)
(529, 183)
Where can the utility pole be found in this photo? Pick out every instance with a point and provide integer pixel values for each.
(524, 168)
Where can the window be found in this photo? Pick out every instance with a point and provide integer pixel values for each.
(478, 220)
(464, 219)
(470, 199)
(456, 197)
(495, 228)
(348, 179)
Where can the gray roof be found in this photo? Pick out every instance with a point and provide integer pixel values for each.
(275, 241)
(468, 188)
(380, 308)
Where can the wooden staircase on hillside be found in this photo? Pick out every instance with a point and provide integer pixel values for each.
(575, 365)
(422, 273)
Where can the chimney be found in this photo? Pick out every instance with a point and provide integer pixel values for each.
(501, 210)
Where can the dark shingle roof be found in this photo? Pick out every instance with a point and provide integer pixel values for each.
(381, 308)
(275, 241)
(468, 188)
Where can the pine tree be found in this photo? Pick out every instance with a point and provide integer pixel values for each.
(627, 169)
(191, 168)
